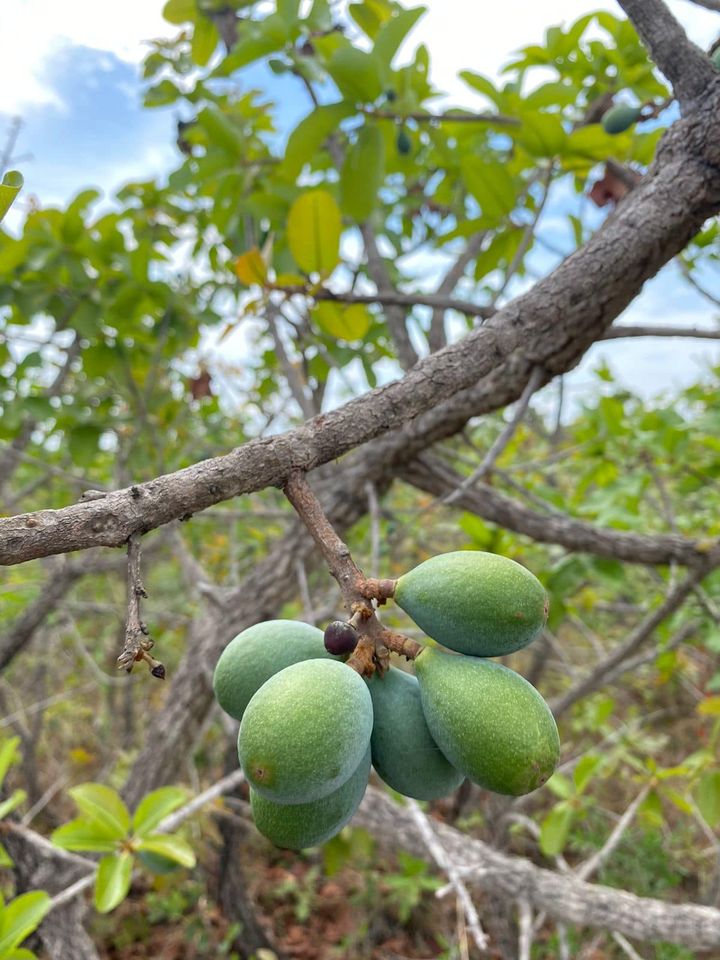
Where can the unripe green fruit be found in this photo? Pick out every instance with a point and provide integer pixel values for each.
(403, 752)
(156, 863)
(476, 603)
(295, 826)
(257, 654)
(305, 731)
(488, 721)
(403, 143)
(620, 118)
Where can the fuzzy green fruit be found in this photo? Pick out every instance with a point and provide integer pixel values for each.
(620, 118)
(257, 654)
(475, 603)
(305, 731)
(295, 826)
(403, 752)
(488, 721)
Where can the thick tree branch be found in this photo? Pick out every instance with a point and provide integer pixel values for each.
(566, 898)
(685, 65)
(429, 473)
(552, 325)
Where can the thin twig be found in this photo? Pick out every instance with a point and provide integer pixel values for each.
(439, 855)
(137, 637)
(525, 929)
(501, 442)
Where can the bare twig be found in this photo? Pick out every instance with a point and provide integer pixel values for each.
(358, 592)
(501, 442)
(137, 638)
(443, 860)
(591, 865)
(525, 929)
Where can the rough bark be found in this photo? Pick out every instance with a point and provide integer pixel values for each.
(563, 897)
(40, 866)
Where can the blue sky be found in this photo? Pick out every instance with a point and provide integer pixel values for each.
(72, 74)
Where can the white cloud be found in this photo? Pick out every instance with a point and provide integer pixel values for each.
(34, 31)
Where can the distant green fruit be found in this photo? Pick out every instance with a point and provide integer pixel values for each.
(257, 654)
(620, 118)
(294, 826)
(488, 721)
(403, 143)
(403, 751)
(305, 731)
(476, 603)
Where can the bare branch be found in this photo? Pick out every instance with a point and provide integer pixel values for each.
(713, 5)
(137, 639)
(436, 334)
(565, 898)
(502, 440)
(623, 330)
(685, 65)
(672, 602)
(441, 858)
(587, 869)
(435, 477)
(394, 315)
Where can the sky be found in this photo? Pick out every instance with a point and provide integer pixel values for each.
(71, 72)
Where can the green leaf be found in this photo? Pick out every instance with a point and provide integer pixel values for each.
(344, 323)
(310, 134)
(11, 185)
(179, 11)
(314, 226)
(205, 40)
(113, 881)
(153, 808)
(256, 40)
(21, 954)
(357, 74)
(541, 134)
(14, 800)
(9, 754)
(363, 173)
(707, 797)
(5, 859)
(555, 829)
(170, 846)
(491, 185)
(103, 805)
(221, 131)
(560, 786)
(83, 834)
(20, 917)
(585, 770)
(83, 442)
(392, 33)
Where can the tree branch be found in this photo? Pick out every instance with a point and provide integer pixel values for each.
(430, 474)
(687, 68)
(566, 898)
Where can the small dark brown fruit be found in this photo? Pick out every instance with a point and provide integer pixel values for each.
(340, 638)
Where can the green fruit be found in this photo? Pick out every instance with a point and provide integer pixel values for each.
(157, 863)
(620, 118)
(305, 731)
(257, 654)
(715, 57)
(295, 826)
(404, 754)
(476, 603)
(488, 721)
(403, 143)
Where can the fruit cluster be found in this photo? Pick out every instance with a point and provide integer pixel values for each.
(310, 726)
